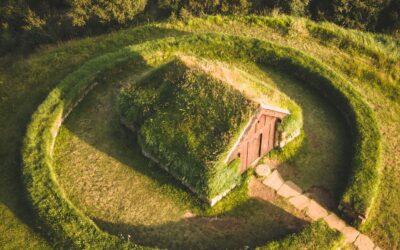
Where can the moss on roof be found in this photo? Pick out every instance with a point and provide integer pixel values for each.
(188, 121)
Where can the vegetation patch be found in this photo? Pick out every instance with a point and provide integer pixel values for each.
(186, 120)
(189, 121)
(62, 219)
(315, 236)
(75, 229)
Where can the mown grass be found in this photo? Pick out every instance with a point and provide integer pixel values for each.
(375, 77)
(126, 194)
(26, 82)
(318, 162)
(44, 123)
(91, 143)
(308, 238)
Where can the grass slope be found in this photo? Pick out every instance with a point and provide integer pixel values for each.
(43, 188)
(316, 236)
(369, 61)
(110, 177)
(319, 165)
(91, 144)
(25, 82)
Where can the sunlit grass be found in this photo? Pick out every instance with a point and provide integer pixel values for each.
(367, 62)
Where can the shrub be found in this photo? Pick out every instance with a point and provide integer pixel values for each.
(198, 7)
(24, 25)
(84, 12)
(389, 18)
(359, 14)
(295, 7)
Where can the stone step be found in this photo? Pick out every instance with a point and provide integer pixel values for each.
(263, 170)
(363, 242)
(300, 202)
(350, 234)
(315, 211)
(274, 180)
(289, 189)
(334, 222)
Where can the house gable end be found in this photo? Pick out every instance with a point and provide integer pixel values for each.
(258, 137)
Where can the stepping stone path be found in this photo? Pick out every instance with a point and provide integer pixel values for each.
(313, 209)
(274, 181)
(300, 202)
(289, 189)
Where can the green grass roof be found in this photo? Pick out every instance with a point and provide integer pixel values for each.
(188, 120)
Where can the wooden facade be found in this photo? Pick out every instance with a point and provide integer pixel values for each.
(258, 138)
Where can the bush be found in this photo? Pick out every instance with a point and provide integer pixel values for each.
(358, 14)
(199, 7)
(389, 18)
(100, 11)
(24, 25)
(295, 7)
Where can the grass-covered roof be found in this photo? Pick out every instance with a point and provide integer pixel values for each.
(188, 120)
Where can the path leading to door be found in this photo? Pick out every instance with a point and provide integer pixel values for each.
(301, 201)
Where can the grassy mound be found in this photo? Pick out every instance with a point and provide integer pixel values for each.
(64, 222)
(187, 121)
(95, 151)
(67, 223)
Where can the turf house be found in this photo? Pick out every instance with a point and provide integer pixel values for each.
(201, 129)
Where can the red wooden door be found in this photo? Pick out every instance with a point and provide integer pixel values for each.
(259, 141)
(253, 150)
(243, 156)
(268, 135)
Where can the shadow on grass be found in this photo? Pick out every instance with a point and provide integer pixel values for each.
(26, 86)
(320, 162)
(250, 222)
(321, 165)
(262, 222)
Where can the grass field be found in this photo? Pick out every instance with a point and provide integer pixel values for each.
(25, 82)
(372, 66)
(126, 194)
(369, 62)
